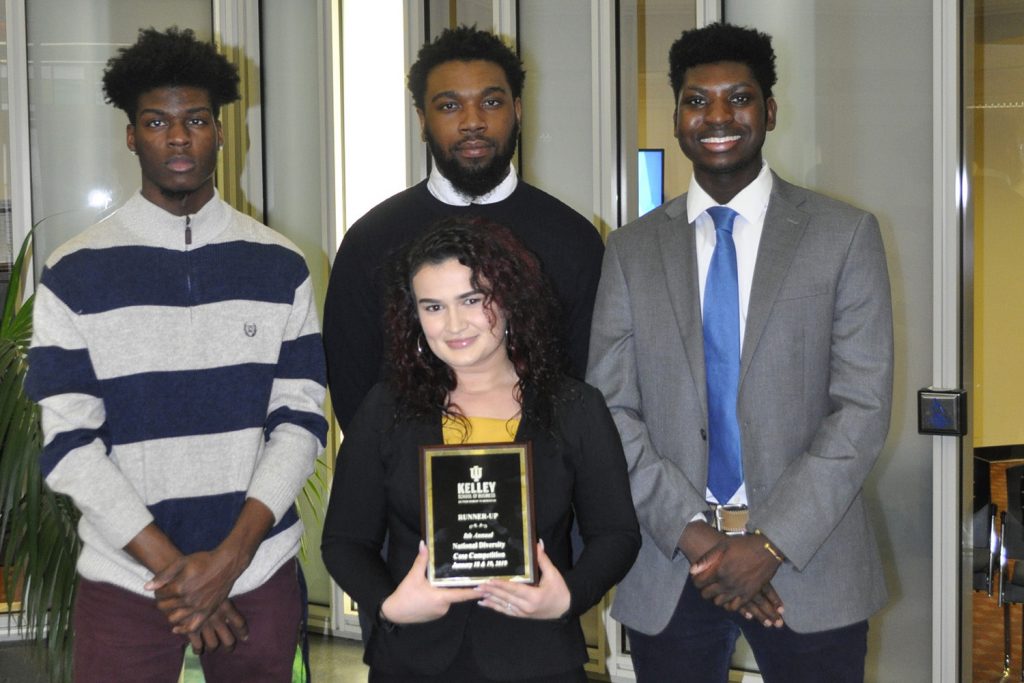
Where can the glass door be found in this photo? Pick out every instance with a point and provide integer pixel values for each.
(994, 159)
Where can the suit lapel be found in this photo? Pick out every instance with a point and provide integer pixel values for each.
(677, 239)
(784, 225)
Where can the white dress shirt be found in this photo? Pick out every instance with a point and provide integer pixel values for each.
(751, 204)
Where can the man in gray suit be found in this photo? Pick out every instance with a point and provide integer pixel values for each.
(746, 456)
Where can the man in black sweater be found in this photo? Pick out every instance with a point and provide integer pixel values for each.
(466, 88)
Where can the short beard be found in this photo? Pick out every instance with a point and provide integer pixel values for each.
(475, 182)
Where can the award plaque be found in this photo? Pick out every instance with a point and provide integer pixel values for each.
(477, 516)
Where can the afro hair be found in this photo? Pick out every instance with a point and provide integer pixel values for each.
(720, 42)
(166, 59)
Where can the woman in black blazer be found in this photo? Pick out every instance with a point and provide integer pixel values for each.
(474, 358)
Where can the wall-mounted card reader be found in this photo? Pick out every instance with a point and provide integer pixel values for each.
(942, 412)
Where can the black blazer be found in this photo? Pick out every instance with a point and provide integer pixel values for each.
(578, 466)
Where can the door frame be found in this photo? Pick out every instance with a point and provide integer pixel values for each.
(950, 359)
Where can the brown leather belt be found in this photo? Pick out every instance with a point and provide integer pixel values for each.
(729, 519)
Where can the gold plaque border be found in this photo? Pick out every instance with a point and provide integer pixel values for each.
(525, 452)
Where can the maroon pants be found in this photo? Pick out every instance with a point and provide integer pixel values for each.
(122, 636)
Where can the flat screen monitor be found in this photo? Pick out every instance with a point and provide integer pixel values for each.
(650, 179)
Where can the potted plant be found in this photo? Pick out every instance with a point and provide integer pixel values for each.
(38, 538)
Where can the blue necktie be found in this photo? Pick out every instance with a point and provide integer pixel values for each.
(722, 360)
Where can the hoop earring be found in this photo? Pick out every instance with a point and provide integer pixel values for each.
(509, 343)
(420, 342)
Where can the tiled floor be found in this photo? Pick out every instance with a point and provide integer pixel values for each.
(339, 660)
(336, 660)
(332, 660)
(17, 664)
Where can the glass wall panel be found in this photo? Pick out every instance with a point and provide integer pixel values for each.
(659, 23)
(294, 166)
(557, 151)
(81, 166)
(855, 122)
(444, 14)
(994, 141)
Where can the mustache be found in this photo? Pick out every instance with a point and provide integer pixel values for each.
(475, 138)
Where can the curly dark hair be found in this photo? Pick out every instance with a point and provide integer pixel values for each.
(174, 57)
(464, 44)
(720, 42)
(510, 278)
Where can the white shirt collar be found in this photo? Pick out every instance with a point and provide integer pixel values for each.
(444, 191)
(750, 202)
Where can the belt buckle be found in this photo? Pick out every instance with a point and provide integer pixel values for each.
(731, 520)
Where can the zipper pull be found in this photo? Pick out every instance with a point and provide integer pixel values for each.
(188, 230)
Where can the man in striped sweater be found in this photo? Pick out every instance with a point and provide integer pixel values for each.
(178, 363)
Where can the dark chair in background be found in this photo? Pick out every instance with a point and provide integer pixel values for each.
(986, 560)
(986, 549)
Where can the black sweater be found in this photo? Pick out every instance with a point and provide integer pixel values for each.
(568, 246)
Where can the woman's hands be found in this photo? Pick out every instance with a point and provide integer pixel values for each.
(416, 601)
(549, 599)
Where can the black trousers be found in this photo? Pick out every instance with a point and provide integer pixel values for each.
(699, 640)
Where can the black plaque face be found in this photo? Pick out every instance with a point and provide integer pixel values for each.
(478, 513)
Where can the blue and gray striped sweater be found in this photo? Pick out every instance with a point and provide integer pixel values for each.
(177, 376)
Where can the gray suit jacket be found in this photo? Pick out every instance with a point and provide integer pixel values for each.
(814, 400)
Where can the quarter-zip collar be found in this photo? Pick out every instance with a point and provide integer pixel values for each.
(159, 228)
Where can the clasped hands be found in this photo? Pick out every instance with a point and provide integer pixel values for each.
(192, 592)
(733, 572)
(416, 600)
